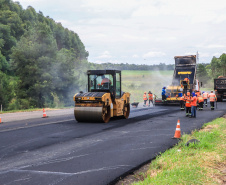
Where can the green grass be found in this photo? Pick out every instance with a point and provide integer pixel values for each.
(35, 109)
(137, 82)
(200, 163)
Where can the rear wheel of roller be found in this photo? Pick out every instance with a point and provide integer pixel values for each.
(126, 111)
(106, 114)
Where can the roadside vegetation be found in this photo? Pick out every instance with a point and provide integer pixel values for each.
(43, 64)
(198, 163)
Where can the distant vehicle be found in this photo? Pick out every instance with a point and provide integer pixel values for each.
(220, 87)
(184, 80)
(104, 98)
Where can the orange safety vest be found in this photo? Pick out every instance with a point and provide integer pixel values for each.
(188, 101)
(200, 99)
(105, 80)
(194, 101)
(150, 96)
(205, 95)
(145, 97)
(212, 97)
(197, 93)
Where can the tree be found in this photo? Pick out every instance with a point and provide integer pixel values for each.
(223, 64)
(202, 73)
(33, 58)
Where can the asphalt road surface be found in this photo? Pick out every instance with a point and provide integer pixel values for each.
(59, 150)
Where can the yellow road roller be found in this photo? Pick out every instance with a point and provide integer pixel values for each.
(104, 98)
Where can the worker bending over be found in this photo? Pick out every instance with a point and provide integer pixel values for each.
(150, 97)
(188, 104)
(200, 102)
(145, 98)
(205, 97)
(213, 98)
(182, 102)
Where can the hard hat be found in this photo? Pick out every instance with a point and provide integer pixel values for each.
(203, 92)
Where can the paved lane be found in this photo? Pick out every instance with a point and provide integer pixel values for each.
(68, 152)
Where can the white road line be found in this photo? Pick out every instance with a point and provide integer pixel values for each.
(42, 124)
(68, 174)
(59, 160)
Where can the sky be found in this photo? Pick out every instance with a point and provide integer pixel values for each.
(142, 31)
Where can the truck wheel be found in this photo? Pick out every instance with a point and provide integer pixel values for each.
(219, 99)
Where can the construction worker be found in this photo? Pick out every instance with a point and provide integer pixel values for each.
(193, 93)
(182, 102)
(193, 106)
(145, 98)
(150, 97)
(188, 104)
(164, 94)
(205, 97)
(186, 79)
(200, 102)
(213, 98)
(105, 83)
(197, 93)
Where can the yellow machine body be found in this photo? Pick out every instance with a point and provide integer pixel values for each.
(101, 106)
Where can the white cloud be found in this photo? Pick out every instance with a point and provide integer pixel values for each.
(215, 46)
(99, 61)
(204, 55)
(218, 54)
(154, 54)
(105, 55)
(131, 27)
(135, 56)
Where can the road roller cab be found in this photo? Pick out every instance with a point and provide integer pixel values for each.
(104, 98)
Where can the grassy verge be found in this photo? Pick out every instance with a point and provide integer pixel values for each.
(202, 163)
(35, 109)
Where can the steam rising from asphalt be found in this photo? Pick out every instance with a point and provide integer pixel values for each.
(153, 81)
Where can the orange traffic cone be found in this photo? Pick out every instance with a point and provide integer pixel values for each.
(0, 120)
(44, 113)
(177, 134)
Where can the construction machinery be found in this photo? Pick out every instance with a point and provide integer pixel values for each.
(104, 98)
(184, 80)
(220, 87)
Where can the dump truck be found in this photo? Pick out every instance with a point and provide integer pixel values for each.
(184, 80)
(220, 87)
(104, 99)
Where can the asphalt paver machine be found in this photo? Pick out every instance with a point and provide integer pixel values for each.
(184, 80)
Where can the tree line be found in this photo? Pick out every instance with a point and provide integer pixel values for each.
(207, 72)
(43, 64)
(122, 66)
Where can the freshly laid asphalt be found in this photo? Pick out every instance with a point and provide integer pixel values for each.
(59, 150)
